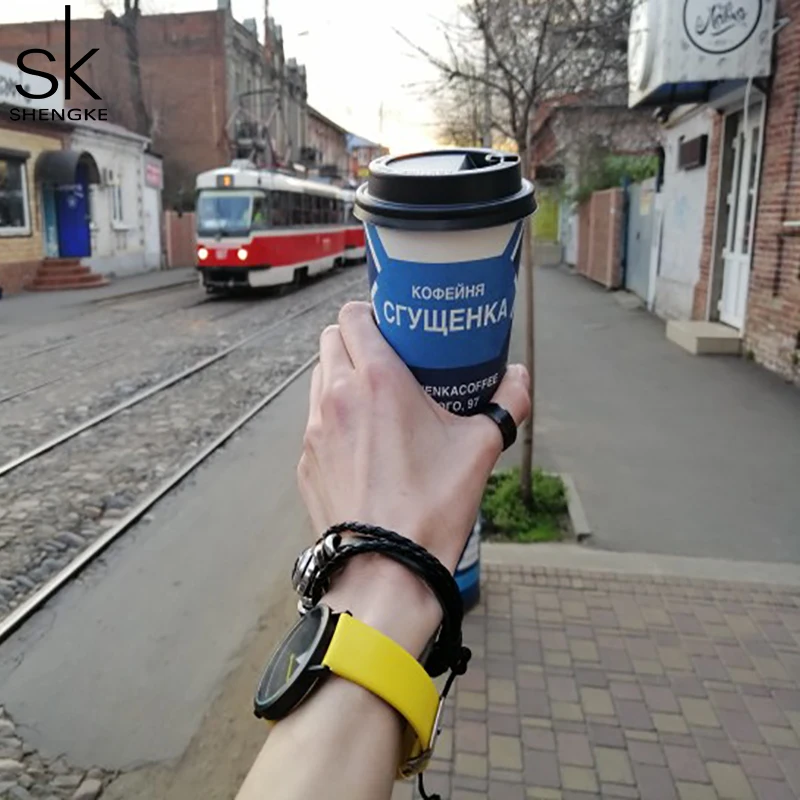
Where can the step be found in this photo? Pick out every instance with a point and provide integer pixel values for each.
(67, 287)
(52, 280)
(61, 262)
(52, 271)
(66, 278)
(705, 338)
(70, 282)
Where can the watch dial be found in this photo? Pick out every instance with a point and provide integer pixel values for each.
(293, 655)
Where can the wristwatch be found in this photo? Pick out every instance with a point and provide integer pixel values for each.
(317, 566)
(323, 642)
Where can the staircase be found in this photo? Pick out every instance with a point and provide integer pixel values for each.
(56, 274)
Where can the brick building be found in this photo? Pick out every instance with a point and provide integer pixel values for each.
(206, 89)
(325, 154)
(79, 200)
(22, 228)
(361, 151)
(568, 133)
(567, 137)
(730, 201)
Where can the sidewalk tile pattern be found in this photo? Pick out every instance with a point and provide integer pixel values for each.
(590, 685)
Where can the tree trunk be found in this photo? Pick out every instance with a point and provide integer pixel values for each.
(526, 467)
(130, 25)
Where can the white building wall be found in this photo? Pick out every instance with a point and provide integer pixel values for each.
(683, 199)
(118, 242)
(568, 232)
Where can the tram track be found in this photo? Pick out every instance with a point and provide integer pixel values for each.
(173, 379)
(25, 391)
(115, 325)
(12, 622)
(16, 394)
(102, 476)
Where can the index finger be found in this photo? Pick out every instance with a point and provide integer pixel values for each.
(363, 340)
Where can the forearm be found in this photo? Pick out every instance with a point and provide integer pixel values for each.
(344, 742)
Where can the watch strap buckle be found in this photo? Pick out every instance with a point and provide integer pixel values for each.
(415, 764)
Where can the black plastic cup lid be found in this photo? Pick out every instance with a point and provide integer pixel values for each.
(455, 189)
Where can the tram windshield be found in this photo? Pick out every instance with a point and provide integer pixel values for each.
(229, 213)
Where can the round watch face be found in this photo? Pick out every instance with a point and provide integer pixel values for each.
(295, 668)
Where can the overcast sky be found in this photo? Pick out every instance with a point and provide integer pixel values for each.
(355, 60)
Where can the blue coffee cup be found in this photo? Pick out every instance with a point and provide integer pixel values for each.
(444, 237)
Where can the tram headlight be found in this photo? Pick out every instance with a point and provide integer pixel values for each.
(242, 254)
(202, 253)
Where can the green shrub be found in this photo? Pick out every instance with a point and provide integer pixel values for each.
(507, 518)
(606, 171)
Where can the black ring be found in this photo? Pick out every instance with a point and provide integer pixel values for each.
(504, 421)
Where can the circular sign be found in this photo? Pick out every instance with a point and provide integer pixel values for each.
(718, 28)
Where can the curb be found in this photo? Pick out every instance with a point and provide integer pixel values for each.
(580, 557)
(573, 557)
(136, 292)
(577, 515)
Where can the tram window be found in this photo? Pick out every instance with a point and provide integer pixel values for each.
(319, 210)
(308, 209)
(280, 209)
(297, 208)
(260, 212)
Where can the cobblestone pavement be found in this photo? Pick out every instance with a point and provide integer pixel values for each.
(53, 506)
(25, 338)
(111, 363)
(589, 685)
(24, 774)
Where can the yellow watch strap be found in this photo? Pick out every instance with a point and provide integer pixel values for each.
(367, 657)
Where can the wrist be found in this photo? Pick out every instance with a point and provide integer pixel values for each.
(388, 597)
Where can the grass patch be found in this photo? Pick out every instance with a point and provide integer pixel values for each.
(507, 519)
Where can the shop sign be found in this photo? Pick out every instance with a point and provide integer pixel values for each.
(720, 27)
(153, 174)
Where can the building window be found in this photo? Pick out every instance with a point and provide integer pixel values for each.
(15, 219)
(116, 204)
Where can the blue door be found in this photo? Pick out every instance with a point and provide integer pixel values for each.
(72, 211)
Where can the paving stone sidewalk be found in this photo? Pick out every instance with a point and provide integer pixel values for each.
(595, 685)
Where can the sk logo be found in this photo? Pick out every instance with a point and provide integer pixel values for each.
(71, 74)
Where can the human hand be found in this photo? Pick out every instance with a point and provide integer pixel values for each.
(379, 450)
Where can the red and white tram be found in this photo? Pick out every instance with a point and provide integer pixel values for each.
(355, 245)
(260, 228)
